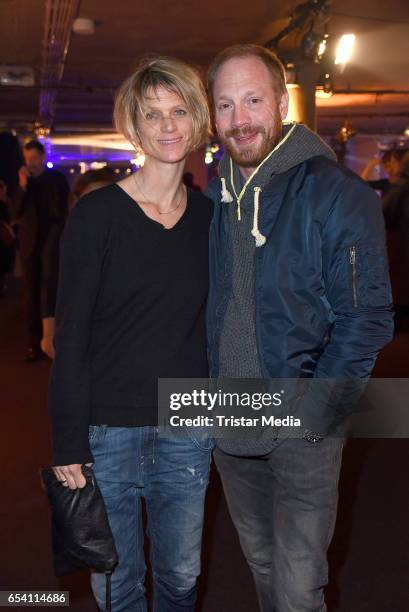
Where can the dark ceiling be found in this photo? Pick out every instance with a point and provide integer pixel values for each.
(195, 31)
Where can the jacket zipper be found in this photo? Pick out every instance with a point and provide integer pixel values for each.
(352, 261)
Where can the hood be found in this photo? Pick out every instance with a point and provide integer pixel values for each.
(298, 144)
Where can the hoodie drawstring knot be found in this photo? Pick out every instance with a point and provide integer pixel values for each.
(226, 195)
(260, 239)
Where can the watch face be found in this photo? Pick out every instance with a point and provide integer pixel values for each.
(312, 437)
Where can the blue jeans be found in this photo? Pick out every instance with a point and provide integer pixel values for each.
(284, 507)
(171, 474)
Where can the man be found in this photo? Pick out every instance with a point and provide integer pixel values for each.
(299, 289)
(396, 214)
(41, 211)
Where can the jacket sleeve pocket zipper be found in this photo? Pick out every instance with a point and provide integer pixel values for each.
(352, 261)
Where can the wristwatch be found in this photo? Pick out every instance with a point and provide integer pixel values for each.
(312, 436)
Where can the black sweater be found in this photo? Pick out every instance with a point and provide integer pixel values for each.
(130, 309)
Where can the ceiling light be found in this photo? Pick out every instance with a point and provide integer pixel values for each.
(322, 94)
(96, 165)
(83, 26)
(345, 132)
(325, 86)
(345, 48)
(22, 76)
(314, 45)
(322, 47)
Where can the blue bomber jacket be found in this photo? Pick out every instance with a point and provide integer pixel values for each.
(322, 295)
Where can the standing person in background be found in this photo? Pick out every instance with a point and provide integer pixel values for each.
(91, 180)
(391, 162)
(131, 309)
(396, 213)
(42, 205)
(189, 181)
(7, 239)
(294, 293)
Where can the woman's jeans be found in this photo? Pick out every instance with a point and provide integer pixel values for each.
(284, 507)
(171, 473)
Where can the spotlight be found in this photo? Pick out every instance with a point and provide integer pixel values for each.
(345, 48)
(50, 165)
(322, 47)
(314, 45)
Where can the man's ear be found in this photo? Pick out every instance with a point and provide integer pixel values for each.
(283, 105)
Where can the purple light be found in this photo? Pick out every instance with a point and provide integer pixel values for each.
(50, 165)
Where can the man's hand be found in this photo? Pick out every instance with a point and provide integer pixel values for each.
(23, 175)
(70, 475)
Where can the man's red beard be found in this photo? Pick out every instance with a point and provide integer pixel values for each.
(253, 155)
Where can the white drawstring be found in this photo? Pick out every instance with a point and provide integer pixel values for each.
(226, 195)
(260, 239)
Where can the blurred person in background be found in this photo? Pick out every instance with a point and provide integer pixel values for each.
(391, 162)
(131, 309)
(189, 181)
(396, 212)
(91, 180)
(7, 239)
(42, 205)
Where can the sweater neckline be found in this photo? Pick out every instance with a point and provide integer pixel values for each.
(134, 203)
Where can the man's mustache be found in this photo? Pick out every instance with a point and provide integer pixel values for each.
(244, 131)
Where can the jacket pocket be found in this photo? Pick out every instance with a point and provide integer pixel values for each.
(352, 262)
(369, 276)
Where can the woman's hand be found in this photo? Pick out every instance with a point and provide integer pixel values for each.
(70, 476)
(47, 341)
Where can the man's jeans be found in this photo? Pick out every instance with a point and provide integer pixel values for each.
(171, 473)
(284, 507)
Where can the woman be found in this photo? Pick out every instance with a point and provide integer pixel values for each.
(7, 238)
(131, 302)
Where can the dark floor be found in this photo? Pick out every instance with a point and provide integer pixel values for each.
(369, 556)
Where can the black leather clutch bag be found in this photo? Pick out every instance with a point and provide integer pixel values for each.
(81, 535)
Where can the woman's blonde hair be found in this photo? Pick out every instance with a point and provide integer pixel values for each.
(171, 74)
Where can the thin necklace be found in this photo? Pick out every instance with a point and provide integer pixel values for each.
(167, 212)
